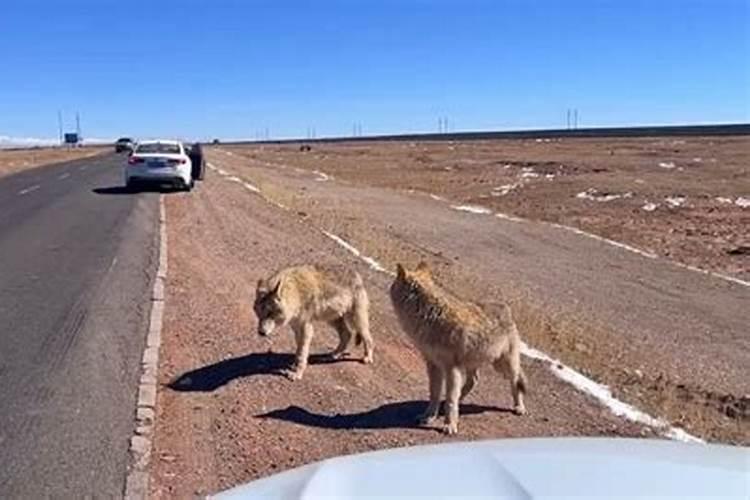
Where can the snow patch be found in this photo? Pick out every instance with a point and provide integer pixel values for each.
(722, 199)
(504, 189)
(742, 201)
(593, 195)
(675, 201)
(322, 176)
(649, 206)
(667, 164)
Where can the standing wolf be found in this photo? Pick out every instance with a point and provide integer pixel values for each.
(297, 296)
(455, 338)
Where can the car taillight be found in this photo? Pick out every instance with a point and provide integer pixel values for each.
(175, 161)
(134, 159)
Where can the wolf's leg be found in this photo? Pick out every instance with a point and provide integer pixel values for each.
(435, 374)
(361, 320)
(472, 377)
(510, 366)
(454, 383)
(303, 335)
(345, 337)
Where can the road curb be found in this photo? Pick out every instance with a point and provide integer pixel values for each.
(136, 482)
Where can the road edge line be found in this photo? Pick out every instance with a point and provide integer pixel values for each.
(137, 478)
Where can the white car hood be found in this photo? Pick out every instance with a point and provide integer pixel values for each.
(518, 469)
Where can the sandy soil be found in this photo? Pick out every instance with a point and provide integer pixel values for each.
(226, 416)
(687, 199)
(15, 160)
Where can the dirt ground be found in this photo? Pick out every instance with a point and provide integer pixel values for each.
(225, 415)
(687, 198)
(15, 160)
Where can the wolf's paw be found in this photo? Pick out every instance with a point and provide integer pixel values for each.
(450, 429)
(338, 355)
(519, 410)
(293, 374)
(368, 360)
(426, 419)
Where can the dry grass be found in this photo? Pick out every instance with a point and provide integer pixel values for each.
(16, 160)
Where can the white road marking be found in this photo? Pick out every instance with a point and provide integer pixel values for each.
(604, 240)
(484, 211)
(251, 187)
(136, 481)
(598, 391)
(83, 168)
(511, 218)
(64, 176)
(603, 394)
(29, 189)
(474, 209)
(221, 171)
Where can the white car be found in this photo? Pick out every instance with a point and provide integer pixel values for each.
(159, 162)
(517, 469)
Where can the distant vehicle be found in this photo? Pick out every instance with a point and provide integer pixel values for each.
(159, 162)
(216, 141)
(517, 468)
(124, 144)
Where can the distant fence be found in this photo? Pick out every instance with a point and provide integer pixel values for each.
(653, 131)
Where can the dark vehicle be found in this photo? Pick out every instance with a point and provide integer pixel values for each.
(195, 152)
(124, 144)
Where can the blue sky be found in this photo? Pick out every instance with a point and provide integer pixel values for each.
(230, 69)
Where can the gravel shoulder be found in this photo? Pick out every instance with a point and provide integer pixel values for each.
(224, 413)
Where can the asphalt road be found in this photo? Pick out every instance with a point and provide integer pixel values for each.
(77, 257)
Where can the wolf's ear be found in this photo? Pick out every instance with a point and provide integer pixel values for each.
(261, 288)
(423, 267)
(276, 289)
(400, 271)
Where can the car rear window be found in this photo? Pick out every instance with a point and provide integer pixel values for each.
(158, 147)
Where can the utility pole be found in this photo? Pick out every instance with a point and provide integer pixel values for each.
(59, 126)
(575, 118)
(567, 119)
(78, 128)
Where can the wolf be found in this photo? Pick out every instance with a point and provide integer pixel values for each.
(455, 337)
(299, 295)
